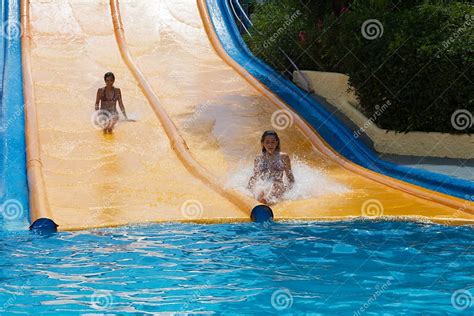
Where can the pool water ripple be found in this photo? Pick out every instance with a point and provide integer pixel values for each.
(329, 268)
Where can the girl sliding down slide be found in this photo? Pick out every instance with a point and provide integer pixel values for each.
(267, 182)
(108, 116)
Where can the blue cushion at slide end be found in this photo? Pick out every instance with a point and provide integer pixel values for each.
(44, 225)
(261, 214)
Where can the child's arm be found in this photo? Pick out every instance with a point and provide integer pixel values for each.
(253, 178)
(288, 171)
(122, 107)
(97, 99)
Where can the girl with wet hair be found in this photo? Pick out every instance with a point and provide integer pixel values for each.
(269, 168)
(108, 96)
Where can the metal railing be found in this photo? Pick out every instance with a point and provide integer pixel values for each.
(245, 26)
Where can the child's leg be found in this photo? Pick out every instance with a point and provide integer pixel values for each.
(113, 121)
(259, 194)
(261, 197)
(276, 191)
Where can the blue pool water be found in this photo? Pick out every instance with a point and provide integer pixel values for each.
(344, 268)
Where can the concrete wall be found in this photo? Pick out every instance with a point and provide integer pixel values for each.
(334, 88)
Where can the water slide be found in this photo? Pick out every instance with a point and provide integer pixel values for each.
(199, 116)
(337, 135)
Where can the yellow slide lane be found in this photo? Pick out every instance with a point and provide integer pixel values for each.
(92, 180)
(222, 116)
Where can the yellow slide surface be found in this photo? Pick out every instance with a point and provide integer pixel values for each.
(199, 121)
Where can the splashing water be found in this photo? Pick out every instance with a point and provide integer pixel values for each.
(309, 182)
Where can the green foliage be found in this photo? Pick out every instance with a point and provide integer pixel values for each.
(277, 26)
(422, 62)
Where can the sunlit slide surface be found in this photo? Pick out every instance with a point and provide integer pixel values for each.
(133, 176)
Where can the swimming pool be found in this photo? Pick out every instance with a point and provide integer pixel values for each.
(343, 268)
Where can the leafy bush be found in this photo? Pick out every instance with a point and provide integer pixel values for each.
(421, 63)
(277, 25)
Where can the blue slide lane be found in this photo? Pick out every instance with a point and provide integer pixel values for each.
(13, 181)
(330, 128)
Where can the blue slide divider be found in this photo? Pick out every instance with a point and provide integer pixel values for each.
(329, 127)
(13, 181)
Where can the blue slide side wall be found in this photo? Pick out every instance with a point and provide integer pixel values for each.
(13, 180)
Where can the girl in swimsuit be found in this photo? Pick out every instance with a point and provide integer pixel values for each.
(270, 166)
(109, 95)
